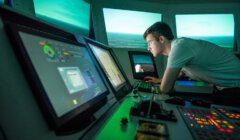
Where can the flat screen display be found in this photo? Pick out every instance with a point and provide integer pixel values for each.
(127, 31)
(62, 74)
(215, 28)
(66, 71)
(114, 74)
(142, 64)
(110, 67)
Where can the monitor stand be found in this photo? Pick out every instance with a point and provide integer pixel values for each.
(152, 110)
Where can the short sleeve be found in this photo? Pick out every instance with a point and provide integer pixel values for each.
(180, 55)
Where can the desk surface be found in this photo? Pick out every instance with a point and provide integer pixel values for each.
(112, 129)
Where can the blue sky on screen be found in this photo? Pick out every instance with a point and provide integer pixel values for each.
(126, 21)
(142, 59)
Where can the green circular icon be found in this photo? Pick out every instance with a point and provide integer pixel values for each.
(49, 51)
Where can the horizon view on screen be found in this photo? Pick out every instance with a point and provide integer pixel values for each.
(73, 15)
(215, 28)
(127, 31)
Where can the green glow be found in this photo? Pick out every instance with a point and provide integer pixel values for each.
(49, 51)
(126, 21)
(72, 15)
(113, 130)
(198, 83)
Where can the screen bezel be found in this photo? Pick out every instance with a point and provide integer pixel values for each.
(141, 76)
(85, 111)
(102, 46)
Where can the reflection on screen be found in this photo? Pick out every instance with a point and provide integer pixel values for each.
(126, 31)
(216, 28)
(73, 79)
(66, 72)
(143, 63)
(109, 66)
(72, 15)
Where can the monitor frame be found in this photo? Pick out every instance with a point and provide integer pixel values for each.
(125, 87)
(69, 122)
(140, 75)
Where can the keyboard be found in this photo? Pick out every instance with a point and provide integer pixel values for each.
(145, 87)
(148, 87)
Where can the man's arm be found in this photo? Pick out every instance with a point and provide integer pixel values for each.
(150, 79)
(169, 78)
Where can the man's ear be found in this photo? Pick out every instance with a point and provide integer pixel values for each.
(161, 39)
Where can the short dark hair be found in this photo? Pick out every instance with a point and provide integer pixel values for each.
(158, 29)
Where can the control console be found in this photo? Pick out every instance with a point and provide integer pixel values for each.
(153, 110)
(213, 123)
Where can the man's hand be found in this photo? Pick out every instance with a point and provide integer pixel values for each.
(150, 79)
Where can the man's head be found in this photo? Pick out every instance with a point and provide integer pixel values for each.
(157, 36)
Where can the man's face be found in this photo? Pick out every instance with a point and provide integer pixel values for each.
(154, 46)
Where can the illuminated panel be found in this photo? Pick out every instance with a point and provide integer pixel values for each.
(127, 31)
(191, 83)
(216, 28)
(230, 113)
(209, 124)
(71, 15)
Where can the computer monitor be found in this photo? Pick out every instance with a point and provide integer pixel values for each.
(110, 67)
(142, 64)
(62, 75)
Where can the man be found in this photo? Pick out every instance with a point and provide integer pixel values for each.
(198, 59)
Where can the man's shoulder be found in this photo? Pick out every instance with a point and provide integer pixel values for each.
(190, 43)
(182, 42)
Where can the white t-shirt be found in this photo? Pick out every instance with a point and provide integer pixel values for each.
(204, 61)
